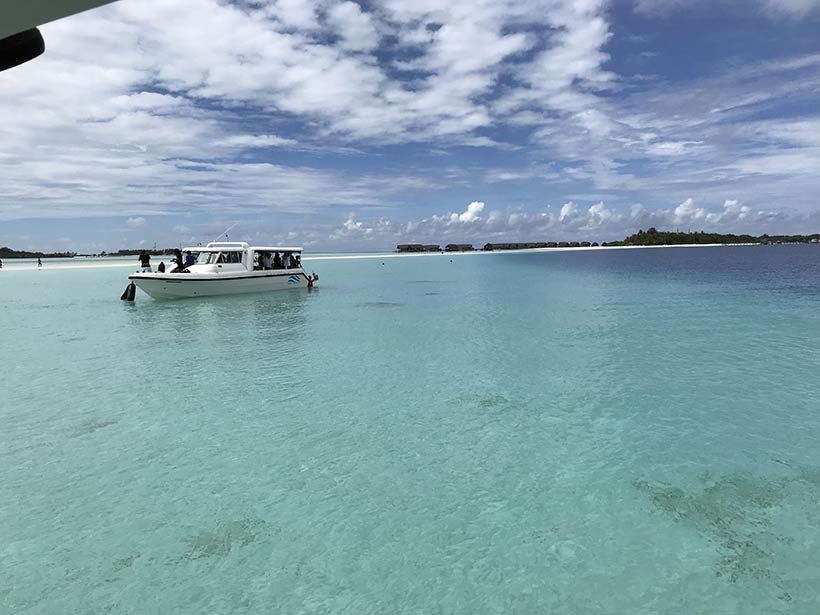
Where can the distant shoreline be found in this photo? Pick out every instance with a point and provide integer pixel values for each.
(522, 250)
(94, 262)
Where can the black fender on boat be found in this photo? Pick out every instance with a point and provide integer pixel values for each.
(129, 293)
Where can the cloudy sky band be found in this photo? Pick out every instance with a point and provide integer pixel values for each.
(350, 124)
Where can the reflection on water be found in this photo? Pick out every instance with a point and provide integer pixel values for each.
(222, 317)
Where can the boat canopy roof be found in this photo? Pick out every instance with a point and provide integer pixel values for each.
(275, 249)
(239, 246)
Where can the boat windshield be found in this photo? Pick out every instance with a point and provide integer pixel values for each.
(230, 257)
(210, 258)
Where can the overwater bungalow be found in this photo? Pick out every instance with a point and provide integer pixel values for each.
(417, 247)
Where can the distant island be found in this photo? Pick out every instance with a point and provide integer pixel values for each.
(6, 252)
(654, 237)
(490, 247)
(133, 252)
(650, 237)
(9, 253)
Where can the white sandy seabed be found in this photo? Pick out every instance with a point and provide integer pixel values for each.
(120, 263)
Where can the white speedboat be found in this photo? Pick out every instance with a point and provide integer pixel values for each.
(228, 268)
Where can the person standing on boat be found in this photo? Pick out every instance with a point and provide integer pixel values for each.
(178, 259)
(145, 261)
(277, 261)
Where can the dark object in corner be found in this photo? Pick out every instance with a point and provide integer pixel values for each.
(21, 47)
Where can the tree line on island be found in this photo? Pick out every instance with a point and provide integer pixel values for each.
(9, 253)
(650, 237)
(654, 237)
(6, 252)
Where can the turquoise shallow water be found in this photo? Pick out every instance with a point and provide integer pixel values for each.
(580, 432)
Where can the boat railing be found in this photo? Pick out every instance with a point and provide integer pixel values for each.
(228, 244)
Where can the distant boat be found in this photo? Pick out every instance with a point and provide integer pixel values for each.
(229, 268)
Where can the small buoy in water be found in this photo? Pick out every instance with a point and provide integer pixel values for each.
(129, 293)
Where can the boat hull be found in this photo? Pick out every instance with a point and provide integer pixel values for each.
(184, 285)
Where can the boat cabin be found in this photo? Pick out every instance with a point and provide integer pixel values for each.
(235, 256)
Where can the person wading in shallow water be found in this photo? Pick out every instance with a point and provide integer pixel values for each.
(39, 263)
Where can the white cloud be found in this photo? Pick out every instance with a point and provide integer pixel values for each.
(355, 27)
(593, 223)
(793, 8)
(145, 129)
(598, 215)
(657, 6)
(472, 213)
(792, 133)
(687, 211)
(251, 141)
(81, 184)
(671, 148)
(294, 14)
(135, 223)
(790, 8)
(568, 211)
(284, 57)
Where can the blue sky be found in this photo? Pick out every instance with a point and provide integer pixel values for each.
(357, 126)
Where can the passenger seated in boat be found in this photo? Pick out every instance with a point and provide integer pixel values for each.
(268, 261)
(277, 261)
(286, 260)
